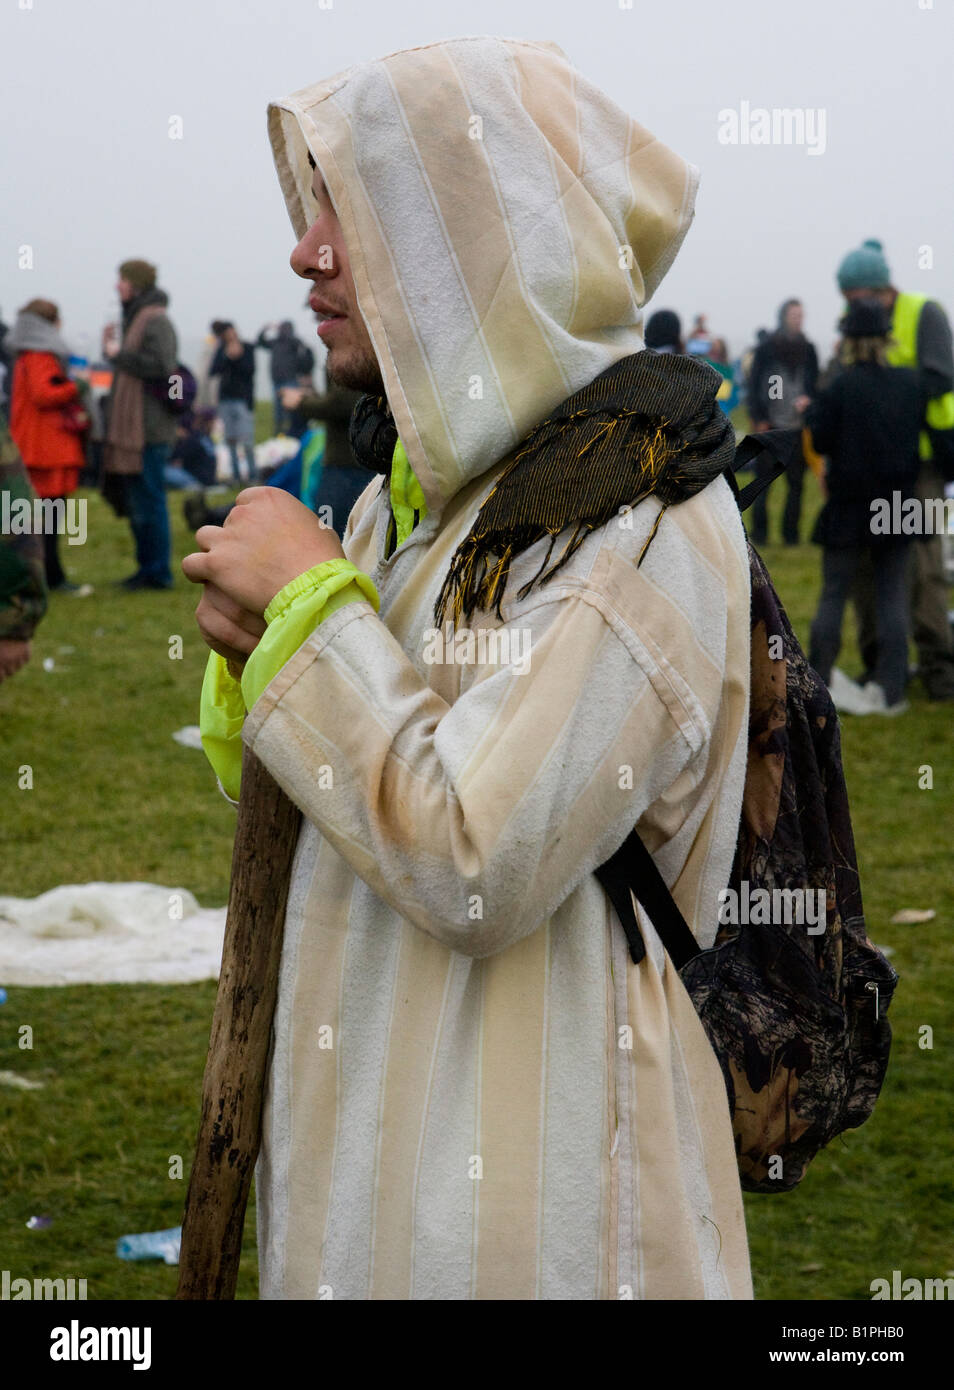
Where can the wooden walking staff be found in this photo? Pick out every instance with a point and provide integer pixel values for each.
(233, 1088)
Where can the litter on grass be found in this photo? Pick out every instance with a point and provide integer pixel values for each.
(908, 916)
(189, 737)
(109, 933)
(39, 1223)
(16, 1082)
(151, 1245)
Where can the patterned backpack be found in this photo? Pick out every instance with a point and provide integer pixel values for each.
(796, 1019)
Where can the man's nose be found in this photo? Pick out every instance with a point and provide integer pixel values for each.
(313, 255)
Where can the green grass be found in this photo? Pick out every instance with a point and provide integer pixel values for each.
(115, 798)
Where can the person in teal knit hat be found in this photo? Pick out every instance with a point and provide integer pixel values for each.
(920, 338)
(865, 269)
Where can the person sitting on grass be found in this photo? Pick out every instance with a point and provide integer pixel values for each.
(193, 462)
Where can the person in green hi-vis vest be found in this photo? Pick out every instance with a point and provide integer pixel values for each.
(921, 337)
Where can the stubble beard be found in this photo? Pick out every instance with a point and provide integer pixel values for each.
(357, 372)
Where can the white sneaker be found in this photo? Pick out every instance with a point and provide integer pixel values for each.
(877, 704)
(847, 695)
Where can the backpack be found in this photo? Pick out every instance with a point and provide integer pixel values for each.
(181, 403)
(796, 1014)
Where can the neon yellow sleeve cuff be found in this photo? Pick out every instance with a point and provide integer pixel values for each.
(292, 617)
(295, 612)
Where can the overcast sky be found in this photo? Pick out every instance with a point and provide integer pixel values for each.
(91, 177)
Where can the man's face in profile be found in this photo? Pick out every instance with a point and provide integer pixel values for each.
(321, 256)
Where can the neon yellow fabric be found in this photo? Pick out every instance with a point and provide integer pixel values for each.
(295, 612)
(406, 494)
(903, 352)
(221, 716)
(292, 617)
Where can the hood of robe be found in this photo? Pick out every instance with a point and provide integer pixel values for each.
(505, 223)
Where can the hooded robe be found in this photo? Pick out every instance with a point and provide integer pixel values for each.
(473, 1092)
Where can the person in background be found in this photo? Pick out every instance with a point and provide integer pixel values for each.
(22, 586)
(141, 430)
(234, 366)
(718, 357)
(206, 385)
(664, 332)
(342, 479)
(47, 419)
(867, 423)
(289, 357)
(744, 372)
(782, 383)
(6, 368)
(193, 462)
(921, 339)
(699, 342)
(324, 474)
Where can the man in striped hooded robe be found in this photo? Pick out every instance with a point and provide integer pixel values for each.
(474, 1092)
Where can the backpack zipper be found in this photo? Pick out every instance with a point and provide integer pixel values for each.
(871, 985)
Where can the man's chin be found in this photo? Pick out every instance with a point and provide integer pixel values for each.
(354, 373)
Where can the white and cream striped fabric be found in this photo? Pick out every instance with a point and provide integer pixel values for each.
(473, 1092)
(509, 222)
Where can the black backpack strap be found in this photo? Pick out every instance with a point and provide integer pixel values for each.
(632, 871)
(779, 445)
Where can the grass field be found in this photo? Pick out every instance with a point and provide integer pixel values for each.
(115, 798)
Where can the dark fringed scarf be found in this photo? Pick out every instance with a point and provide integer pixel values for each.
(648, 426)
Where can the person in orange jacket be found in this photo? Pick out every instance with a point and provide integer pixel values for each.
(47, 421)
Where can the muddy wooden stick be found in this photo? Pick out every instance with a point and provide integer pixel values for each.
(234, 1084)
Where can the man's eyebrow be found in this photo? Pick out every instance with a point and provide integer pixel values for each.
(311, 160)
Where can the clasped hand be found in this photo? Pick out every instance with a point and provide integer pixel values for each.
(269, 538)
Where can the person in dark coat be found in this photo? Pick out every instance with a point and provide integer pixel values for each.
(234, 365)
(193, 458)
(867, 421)
(140, 427)
(782, 382)
(291, 361)
(22, 583)
(920, 338)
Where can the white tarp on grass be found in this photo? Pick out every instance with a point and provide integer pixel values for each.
(109, 933)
